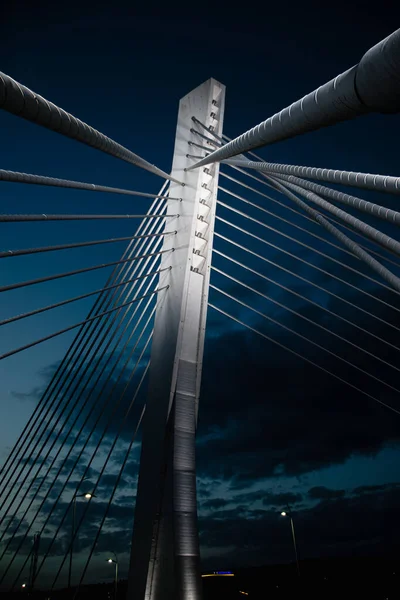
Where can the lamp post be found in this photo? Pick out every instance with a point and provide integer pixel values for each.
(115, 561)
(288, 513)
(88, 496)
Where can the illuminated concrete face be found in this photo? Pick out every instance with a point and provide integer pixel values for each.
(165, 559)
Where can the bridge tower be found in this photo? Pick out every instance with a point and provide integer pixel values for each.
(165, 561)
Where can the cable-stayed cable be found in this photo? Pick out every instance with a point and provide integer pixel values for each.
(12, 176)
(368, 231)
(309, 282)
(375, 281)
(305, 216)
(305, 359)
(23, 102)
(382, 183)
(20, 284)
(82, 339)
(25, 251)
(376, 266)
(71, 394)
(75, 405)
(88, 437)
(312, 322)
(380, 212)
(87, 348)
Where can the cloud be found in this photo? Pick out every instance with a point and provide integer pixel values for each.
(356, 524)
(323, 493)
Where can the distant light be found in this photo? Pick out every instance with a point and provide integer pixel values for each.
(223, 572)
(88, 496)
(244, 593)
(110, 560)
(23, 585)
(219, 574)
(283, 513)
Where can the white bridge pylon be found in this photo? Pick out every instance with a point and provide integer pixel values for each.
(165, 560)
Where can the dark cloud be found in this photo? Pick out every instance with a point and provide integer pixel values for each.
(214, 504)
(375, 489)
(321, 492)
(355, 524)
(276, 415)
(281, 499)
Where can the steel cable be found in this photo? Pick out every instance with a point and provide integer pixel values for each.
(308, 281)
(305, 359)
(84, 335)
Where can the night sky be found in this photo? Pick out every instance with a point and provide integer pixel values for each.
(272, 429)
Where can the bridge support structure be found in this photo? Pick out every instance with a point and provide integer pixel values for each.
(165, 559)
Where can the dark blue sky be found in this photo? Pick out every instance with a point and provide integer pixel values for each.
(298, 436)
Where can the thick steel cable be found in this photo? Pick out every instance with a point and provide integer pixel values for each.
(43, 217)
(358, 203)
(102, 470)
(376, 266)
(305, 359)
(318, 325)
(23, 102)
(76, 298)
(325, 329)
(359, 235)
(204, 137)
(37, 438)
(193, 156)
(304, 216)
(75, 404)
(375, 281)
(376, 210)
(198, 146)
(370, 232)
(268, 212)
(14, 286)
(331, 193)
(10, 253)
(310, 282)
(12, 176)
(77, 437)
(372, 85)
(210, 131)
(382, 183)
(127, 454)
(84, 335)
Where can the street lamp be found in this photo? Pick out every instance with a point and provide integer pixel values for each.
(288, 513)
(115, 561)
(87, 496)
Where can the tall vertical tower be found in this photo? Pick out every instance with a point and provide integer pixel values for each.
(165, 560)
